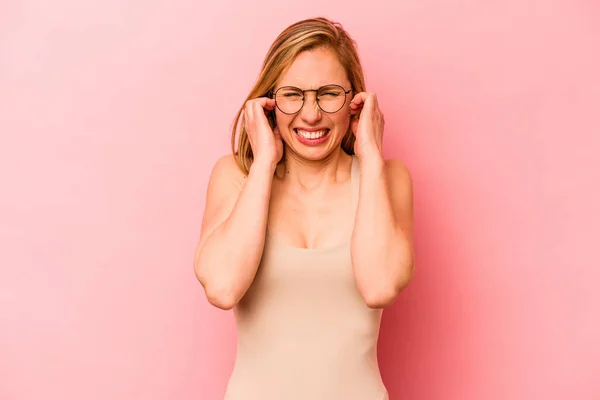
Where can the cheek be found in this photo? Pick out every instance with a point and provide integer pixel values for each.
(342, 120)
(283, 120)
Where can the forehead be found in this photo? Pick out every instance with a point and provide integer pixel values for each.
(314, 68)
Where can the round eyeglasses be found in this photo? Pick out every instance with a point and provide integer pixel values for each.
(330, 98)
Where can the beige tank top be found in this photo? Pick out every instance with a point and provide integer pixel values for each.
(304, 331)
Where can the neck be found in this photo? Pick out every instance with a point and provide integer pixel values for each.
(309, 175)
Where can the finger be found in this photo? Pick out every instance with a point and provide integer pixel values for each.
(277, 133)
(358, 99)
(264, 102)
(269, 107)
(269, 104)
(357, 103)
(248, 113)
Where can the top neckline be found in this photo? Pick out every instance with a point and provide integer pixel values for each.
(354, 182)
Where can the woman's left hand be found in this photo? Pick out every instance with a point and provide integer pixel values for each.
(368, 128)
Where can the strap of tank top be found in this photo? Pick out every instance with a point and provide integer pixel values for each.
(355, 181)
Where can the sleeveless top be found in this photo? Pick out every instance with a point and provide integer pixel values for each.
(304, 331)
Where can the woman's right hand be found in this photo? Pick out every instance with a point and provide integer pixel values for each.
(266, 143)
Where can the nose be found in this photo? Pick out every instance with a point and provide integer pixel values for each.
(310, 112)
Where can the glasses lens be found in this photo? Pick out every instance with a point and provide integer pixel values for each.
(289, 99)
(331, 98)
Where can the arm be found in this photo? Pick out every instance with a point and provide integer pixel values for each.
(382, 241)
(233, 230)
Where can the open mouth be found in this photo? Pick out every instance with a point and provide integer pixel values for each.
(312, 138)
(311, 135)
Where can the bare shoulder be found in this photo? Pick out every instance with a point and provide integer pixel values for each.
(226, 173)
(224, 187)
(398, 174)
(400, 186)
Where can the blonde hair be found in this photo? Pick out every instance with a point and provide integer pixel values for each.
(302, 36)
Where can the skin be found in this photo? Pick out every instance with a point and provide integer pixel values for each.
(304, 200)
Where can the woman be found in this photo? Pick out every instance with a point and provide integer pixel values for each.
(307, 231)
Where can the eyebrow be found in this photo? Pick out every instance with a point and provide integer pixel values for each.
(317, 88)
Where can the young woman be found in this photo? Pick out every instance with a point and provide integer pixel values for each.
(307, 231)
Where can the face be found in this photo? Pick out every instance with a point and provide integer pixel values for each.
(312, 133)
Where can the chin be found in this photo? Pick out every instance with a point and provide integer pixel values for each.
(315, 153)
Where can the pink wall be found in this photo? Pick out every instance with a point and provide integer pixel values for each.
(112, 114)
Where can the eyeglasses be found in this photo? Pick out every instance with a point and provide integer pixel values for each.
(290, 99)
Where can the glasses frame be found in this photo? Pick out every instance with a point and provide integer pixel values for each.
(273, 95)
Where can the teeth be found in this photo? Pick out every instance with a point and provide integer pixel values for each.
(311, 135)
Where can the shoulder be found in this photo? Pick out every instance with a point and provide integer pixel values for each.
(398, 174)
(224, 186)
(226, 163)
(400, 189)
(226, 172)
(400, 186)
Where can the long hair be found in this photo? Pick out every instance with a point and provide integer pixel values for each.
(302, 36)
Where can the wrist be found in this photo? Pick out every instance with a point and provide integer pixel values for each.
(372, 160)
(263, 165)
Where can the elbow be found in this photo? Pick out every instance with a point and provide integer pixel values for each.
(378, 299)
(379, 296)
(221, 298)
(385, 294)
(219, 294)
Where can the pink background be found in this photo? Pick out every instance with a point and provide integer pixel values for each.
(113, 112)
